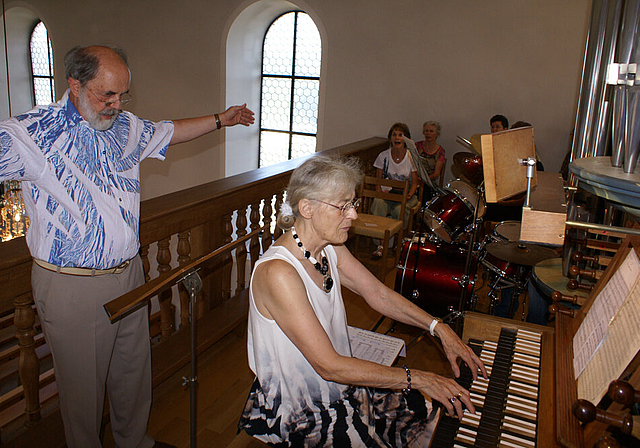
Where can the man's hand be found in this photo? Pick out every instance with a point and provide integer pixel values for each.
(237, 115)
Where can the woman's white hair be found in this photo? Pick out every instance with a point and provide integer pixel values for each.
(321, 178)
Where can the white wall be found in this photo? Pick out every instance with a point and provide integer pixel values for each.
(456, 61)
(19, 25)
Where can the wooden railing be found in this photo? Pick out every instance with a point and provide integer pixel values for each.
(174, 229)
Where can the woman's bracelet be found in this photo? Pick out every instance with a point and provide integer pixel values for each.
(432, 327)
(408, 388)
(218, 122)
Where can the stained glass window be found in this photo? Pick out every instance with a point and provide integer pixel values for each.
(42, 65)
(290, 85)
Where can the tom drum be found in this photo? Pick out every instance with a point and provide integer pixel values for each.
(448, 214)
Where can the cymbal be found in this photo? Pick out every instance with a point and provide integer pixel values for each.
(469, 165)
(475, 143)
(520, 253)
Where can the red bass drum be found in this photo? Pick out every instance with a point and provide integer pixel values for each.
(429, 275)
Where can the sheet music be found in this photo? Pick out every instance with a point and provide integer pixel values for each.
(609, 337)
(375, 347)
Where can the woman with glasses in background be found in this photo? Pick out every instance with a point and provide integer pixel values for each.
(309, 390)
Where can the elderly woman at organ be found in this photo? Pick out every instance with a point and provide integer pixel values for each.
(309, 390)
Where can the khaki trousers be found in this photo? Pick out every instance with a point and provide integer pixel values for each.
(90, 353)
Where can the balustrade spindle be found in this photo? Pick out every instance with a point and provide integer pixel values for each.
(241, 250)
(164, 265)
(146, 267)
(184, 252)
(278, 231)
(254, 244)
(24, 319)
(227, 260)
(266, 234)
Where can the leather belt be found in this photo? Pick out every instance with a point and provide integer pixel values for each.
(84, 272)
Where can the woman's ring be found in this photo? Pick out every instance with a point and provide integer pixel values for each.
(452, 399)
(459, 394)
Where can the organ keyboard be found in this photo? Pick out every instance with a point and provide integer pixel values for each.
(508, 404)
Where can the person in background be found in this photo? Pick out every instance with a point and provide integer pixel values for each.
(499, 123)
(79, 160)
(309, 391)
(431, 153)
(395, 163)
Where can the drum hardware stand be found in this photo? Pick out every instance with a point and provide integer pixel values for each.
(494, 298)
(192, 283)
(414, 291)
(518, 290)
(465, 280)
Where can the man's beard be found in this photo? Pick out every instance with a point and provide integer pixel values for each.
(97, 120)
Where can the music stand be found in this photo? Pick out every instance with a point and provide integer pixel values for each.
(193, 284)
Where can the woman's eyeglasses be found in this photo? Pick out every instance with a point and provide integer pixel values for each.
(346, 207)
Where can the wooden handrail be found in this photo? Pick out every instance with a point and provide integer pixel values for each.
(118, 308)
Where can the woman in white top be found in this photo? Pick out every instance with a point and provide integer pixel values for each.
(395, 163)
(308, 390)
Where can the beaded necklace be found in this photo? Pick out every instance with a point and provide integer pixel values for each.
(327, 281)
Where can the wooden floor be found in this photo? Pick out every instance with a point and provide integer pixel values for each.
(224, 379)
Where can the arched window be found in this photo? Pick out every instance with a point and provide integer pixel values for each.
(42, 65)
(291, 58)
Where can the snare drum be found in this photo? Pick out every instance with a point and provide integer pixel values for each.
(507, 231)
(429, 275)
(447, 215)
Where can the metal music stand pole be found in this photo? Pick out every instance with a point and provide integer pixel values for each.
(193, 283)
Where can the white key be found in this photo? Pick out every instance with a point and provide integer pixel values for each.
(517, 440)
(470, 419)
(530, 335)
(519, 429)
(526, 360)
(520, 423)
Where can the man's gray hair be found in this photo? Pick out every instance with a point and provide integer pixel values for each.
(81, 63)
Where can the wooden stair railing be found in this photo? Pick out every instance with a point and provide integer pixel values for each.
(174, 230)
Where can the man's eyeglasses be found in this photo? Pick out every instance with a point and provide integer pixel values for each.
(346, 207)
(125, 98)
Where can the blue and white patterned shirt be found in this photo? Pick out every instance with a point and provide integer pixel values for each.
(81, 187)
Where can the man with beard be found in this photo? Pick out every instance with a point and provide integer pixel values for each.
(79, 162)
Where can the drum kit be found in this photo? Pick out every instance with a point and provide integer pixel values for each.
(438, 263)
